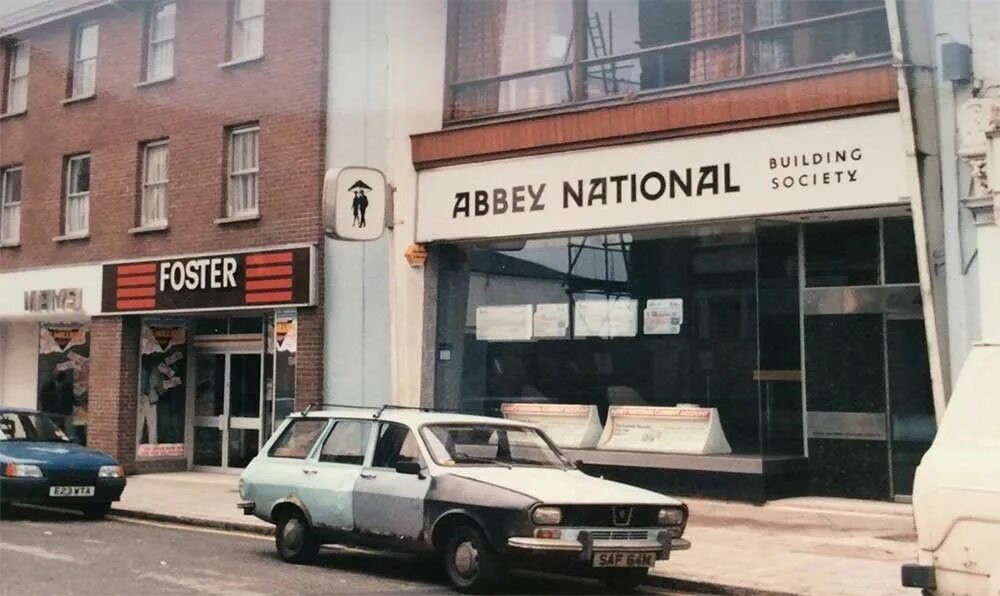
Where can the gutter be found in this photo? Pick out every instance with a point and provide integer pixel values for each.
(45, 13)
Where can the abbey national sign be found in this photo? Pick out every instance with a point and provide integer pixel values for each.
(837, 164)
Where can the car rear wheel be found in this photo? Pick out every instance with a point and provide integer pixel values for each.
(622, 580)
(95, 510)
(295, 540)
(471, 563)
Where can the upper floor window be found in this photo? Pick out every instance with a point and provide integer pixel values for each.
(244, 170)
(10, 205)
(153, 207)
(515, 55)
(247, 32)
(160, 41)
(76, 218)
(18, 64)
(85, 61)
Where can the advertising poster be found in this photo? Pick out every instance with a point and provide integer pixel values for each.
(551, 320)
(605, 318)
(63, 375)
(663, 316)
(162, 368)
(504, 323)
(286, 331)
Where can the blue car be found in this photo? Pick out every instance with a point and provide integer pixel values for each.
(40, 465)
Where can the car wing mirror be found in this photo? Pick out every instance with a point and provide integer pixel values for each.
(412, 468)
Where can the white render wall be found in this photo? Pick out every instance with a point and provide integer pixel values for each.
(19, 364)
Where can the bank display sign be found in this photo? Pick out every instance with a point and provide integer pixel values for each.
(236, 280)
(835, 164)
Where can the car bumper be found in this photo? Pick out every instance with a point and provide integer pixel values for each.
(918, 576)
(36, 491)
(583, 544)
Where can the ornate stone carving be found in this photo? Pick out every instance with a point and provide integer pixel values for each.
(979, 147)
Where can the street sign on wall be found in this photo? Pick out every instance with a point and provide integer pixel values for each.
(220, 281)
(355, 200)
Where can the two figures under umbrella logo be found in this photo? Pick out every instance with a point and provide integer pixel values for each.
(360, 203)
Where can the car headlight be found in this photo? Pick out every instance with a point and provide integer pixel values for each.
(13, 470)
(547, 516)
(111, 472)
(671, 516)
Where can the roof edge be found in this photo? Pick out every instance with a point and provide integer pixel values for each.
(44, 13)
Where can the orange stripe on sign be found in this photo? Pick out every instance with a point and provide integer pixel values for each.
(282, 283)
(148, 292)
(269, 258)
(137, 269)
(261, 297)
(137, 280)
(136, 304)
(269, 271)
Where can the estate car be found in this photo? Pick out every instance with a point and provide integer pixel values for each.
(480, 494)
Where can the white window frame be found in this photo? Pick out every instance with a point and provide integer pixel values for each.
(15, 92)
(9, 206)
(81, 196)
(79, 60)
(233, 209)
(238, 24)
(149, 186)
(154, 42)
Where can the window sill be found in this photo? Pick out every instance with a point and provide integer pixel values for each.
(149, 229)
(236, 219)
(152, 82)
(13, 114)
(70, 100)
(10, 244)
(71, 237)
(241, 61)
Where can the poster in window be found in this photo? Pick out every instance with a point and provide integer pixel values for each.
(64, 374)
(286, 331)
(605, 318)
(551, 320)
(663, 316)
(162, 369)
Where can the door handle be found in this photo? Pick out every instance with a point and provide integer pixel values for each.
(310, 472)
(368, 475)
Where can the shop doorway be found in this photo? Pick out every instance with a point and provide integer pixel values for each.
(226, 401)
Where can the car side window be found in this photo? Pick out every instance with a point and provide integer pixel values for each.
(395, 444)
(299, 437)
(346, 443)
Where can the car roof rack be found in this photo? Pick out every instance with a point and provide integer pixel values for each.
(379, 410)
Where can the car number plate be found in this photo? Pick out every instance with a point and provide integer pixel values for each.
(71, 491)
(618, 559)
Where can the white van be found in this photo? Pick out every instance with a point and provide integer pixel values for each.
(956, 493)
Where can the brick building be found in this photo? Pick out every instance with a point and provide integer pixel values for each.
(162, 167)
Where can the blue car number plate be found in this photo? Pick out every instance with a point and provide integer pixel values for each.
(619, 559)
(71, 491)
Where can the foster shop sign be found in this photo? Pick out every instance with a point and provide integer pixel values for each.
(835, 164)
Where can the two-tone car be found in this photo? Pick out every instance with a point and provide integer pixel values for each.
(482, 495)
(40, 465)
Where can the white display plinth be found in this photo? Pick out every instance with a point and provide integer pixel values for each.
(568, 425)
(664, 430)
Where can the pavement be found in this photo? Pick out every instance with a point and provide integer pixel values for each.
(808, 545)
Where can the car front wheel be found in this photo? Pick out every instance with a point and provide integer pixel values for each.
(295, 540)
(622, 580)
(470, 561)
(95, 510)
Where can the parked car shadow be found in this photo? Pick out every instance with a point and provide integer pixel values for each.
(18, 512)
(404, 567)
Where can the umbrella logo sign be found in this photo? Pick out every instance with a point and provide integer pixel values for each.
(360, 203)
(355, 203)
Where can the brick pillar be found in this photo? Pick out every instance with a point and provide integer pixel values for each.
(309, 352)
(114, 381)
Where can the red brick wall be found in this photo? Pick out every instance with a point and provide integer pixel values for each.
(284, 92)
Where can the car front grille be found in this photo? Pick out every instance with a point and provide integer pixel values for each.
(618, 534)
(65, 477)
(605, 516)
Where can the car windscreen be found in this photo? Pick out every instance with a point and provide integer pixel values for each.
(22, 426)
(485, 444)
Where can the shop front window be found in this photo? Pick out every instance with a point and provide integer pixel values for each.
(64, 376)
(575, 320)
(515, 55)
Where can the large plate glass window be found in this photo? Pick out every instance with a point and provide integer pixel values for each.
(10, 205)
(18, 60)
(160, 48)
(77, 213)
(85, 61)
(153, 211)
(244, 171)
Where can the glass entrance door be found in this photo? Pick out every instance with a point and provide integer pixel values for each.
(227, 403)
